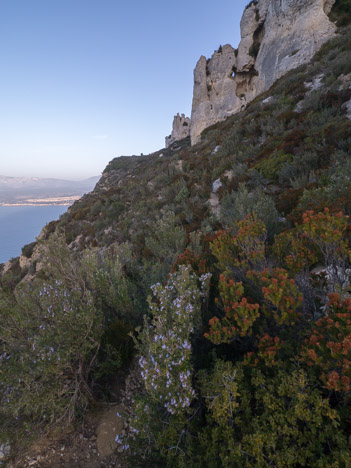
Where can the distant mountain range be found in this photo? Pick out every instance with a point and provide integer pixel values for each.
(35, 190)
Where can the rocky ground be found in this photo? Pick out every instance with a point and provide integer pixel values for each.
(91, 446)
(92, 443)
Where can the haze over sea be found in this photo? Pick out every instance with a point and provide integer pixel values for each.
(19, 225)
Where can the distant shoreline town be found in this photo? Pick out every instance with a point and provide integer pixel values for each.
(59, 201)
(33, 191)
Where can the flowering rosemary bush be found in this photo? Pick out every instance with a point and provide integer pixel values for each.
(165, 347)
(59, 334)
(50, 336)
(165, 344)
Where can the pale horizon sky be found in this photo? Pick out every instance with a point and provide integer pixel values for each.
(84, 81)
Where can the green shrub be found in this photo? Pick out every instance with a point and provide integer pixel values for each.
(167, 240)
(256, 420)
(340, 12)
(299, 166)
(270, 167)
(27, 250)
(237, 205)
(183, 192)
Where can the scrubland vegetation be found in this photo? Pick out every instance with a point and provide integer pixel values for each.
(240, 313)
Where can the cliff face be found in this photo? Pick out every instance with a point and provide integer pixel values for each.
(214, 95)
(276, 36)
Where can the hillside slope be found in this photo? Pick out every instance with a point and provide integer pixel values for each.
(291, 144)
(244, 242)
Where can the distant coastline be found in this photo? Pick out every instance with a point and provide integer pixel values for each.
(58, 201)
(37, 192)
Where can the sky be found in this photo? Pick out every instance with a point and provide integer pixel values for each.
(84, 81)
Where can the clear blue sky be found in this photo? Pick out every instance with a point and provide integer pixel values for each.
(84, 81)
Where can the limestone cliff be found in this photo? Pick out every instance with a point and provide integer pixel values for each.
(181, 129)
(276, 36)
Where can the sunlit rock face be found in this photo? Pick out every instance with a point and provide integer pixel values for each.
(276, 36)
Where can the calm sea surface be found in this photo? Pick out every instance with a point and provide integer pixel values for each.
(19, 225)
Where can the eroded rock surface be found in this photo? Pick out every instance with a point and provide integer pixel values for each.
(214, 95)
(276, 36)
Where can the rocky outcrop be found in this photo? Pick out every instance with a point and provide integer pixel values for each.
(214, 95)
(276, 36)
(181, 129)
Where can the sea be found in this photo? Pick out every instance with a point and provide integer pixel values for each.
(20, 225)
